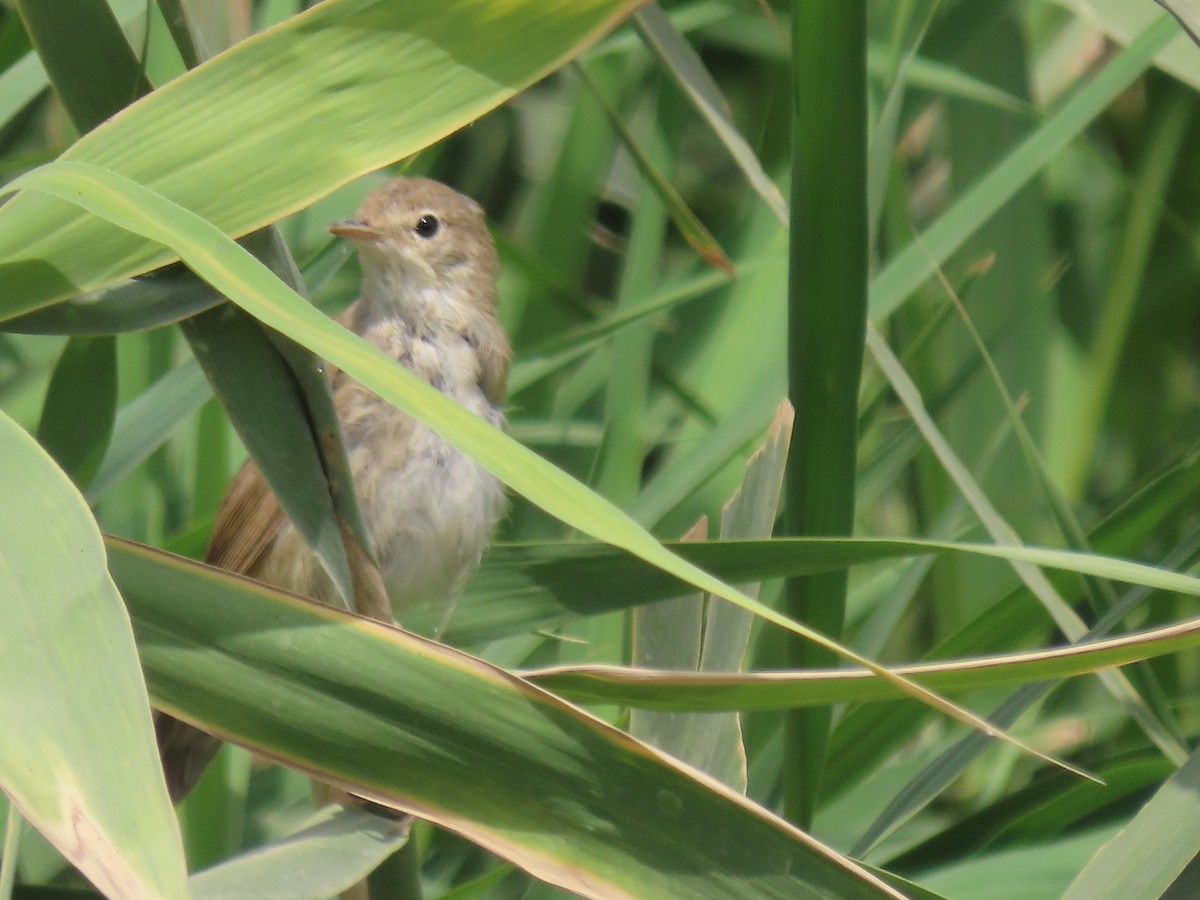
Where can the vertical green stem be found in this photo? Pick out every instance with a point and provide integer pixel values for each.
(827, 289)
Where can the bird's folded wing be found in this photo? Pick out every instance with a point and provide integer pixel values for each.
(247, 521)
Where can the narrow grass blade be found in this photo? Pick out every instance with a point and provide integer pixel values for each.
(1065, 617)
(80, 407)
(711, 691)
(692, 229)
(688, 70)
(866, 736)
(1156, 717)
(618, 466)
(906, 271)
(941, 772)
(1126, 282)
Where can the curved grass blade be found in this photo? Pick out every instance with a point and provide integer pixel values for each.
(144, 303)
(711, 692)
(522, 587)
(940, 773)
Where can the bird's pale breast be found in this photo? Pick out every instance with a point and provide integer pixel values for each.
(429, 508)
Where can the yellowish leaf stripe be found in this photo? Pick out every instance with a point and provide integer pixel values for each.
(711, 692)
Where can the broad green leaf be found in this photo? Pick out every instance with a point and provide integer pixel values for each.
(277, 395)
(236, 355)
(1148, 854)
(79, 758)
(750, 514)
(339, 81)
(1041, 869)
(25, 79)
(667, 636)
(429, 730)
(335, 850)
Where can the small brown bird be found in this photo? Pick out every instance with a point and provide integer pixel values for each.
(428, 300)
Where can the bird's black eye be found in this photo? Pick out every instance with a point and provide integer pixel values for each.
(427, 226)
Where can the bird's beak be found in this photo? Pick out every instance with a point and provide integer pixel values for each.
(356, 230)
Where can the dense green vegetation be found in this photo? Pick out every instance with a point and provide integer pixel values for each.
(1011, 441)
